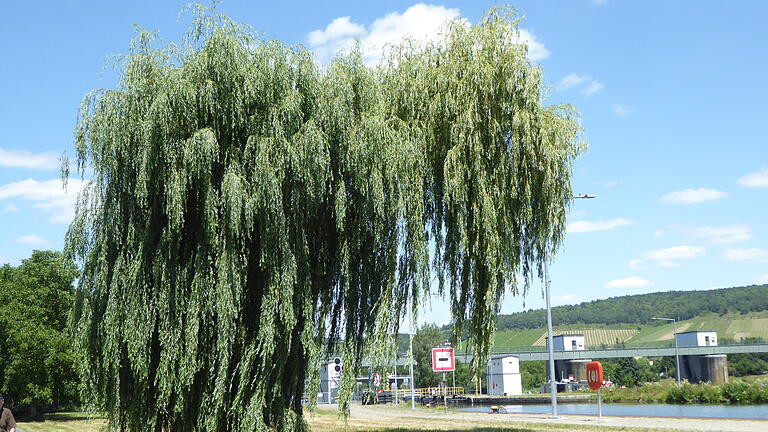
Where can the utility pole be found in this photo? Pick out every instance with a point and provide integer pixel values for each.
(550, 340)
(677, 349)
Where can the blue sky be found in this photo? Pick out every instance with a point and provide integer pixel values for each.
(673, 97)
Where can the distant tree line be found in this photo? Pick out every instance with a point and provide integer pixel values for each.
(37, 362)
(641, 308)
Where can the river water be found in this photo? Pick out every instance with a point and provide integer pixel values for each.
(643, 410)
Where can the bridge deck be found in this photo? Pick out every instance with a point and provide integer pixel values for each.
(631, 352)
(616, 353)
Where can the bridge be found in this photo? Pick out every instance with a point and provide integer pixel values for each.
(666, 351)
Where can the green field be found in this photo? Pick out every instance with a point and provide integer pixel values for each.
(729, 327)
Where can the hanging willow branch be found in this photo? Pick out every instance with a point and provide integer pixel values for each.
(251, 210)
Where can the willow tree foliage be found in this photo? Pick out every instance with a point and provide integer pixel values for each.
(251, 209)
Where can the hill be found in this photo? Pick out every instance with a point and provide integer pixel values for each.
(731, 327)
(639, 309)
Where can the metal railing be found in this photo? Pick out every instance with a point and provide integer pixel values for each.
(428, 391)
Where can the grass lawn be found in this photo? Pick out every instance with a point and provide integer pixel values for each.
(66, 422)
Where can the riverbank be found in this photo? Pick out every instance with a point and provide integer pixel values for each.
(737, 391)
(402, 419)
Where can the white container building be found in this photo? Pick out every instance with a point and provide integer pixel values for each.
(569, 342)
(697, 338)
(330, 381)
(504, 377)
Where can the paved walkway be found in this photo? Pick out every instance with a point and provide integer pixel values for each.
(399, 417)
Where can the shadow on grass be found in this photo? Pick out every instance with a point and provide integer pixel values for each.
(72, 416)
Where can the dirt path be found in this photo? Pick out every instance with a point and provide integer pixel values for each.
(387, 417)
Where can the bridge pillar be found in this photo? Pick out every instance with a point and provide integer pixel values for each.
(578, 368)
(703, 368)
(717, 368)
(565, 368)
(561, 369)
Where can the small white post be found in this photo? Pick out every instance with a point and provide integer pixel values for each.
(599, 405)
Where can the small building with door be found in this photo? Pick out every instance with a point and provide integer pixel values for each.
(569, 342)
(697, 338)
(504, 377)
(330, 380)
(702, 368)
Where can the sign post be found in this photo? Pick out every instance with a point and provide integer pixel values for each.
(595, 381)
(443, 361)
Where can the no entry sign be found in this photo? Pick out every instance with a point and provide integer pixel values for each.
(443, 360)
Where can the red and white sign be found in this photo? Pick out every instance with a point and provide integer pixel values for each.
(595, 375)
(443, 360)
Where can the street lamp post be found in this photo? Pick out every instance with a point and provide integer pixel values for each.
(550, 341)
(550, 344)
(410, 359)
(677, 349)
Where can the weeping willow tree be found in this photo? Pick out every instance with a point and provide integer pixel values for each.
(251, 210)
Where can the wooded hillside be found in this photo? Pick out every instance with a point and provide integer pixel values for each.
(641, 308)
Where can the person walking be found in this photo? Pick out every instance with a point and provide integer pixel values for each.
(7, 422)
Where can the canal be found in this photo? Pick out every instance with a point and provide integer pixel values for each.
(641, 410)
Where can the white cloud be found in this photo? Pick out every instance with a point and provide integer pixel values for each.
(721, 234)
(693, 196)
(420, 22)
(669, 257)
(756, 179)
(675, 253)
(339, 35)
(10, 208)
(599, 2)
(751, 254)
(630, 282)
(587, 84)
(762, 279)
(32, 239)
(25, 159)
(592, 88)
(46, 195)
(339, 28)
(572, 80)
(622, 110)
(536, 49)
(611, 183)
(601, 225)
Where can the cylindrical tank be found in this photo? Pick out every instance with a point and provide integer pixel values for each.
(578, 368)
(717, 368)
